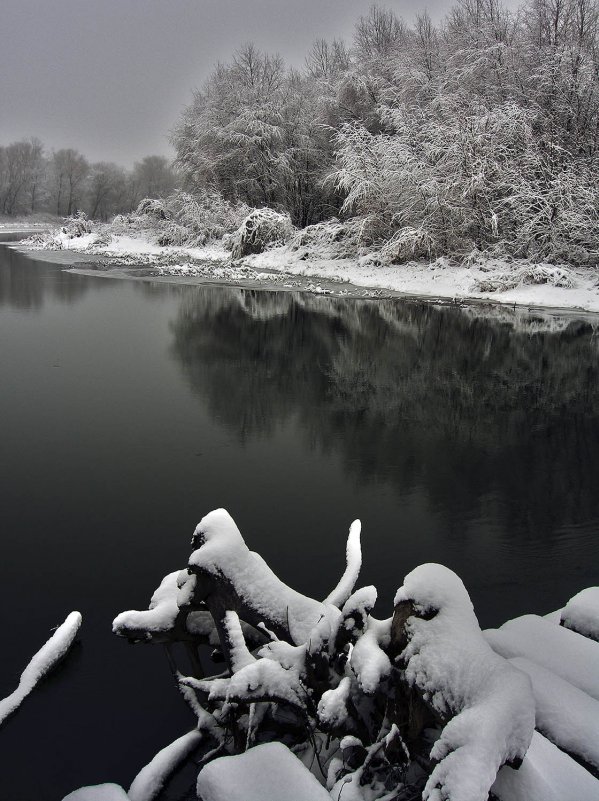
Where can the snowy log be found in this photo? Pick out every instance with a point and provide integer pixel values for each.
(164, 621)
(151, 779)
(268, 772)
(49, 655)
(564, 714)
(98, 792)
(230, 577)
(581, 613)
(547, 774)
(563, 652)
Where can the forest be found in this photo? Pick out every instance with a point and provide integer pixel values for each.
(476, 134)
(62, 182)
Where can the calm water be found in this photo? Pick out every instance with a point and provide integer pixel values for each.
(128, 410)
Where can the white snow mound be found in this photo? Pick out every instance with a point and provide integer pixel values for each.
(268, 772)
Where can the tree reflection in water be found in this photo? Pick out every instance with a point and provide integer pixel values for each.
(492, 415)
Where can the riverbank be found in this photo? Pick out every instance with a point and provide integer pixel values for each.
(528, 286)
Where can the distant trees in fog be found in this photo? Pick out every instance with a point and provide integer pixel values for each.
(62, 182)
(480, 131)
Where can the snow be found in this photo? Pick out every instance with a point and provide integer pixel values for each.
(268, 772)
(439, 279)
(489, 703)
(332, 707)
(124, 246)
(55, 649)
(354, 562)
(239, 654)
(514, 282)
(223, 552)
(98, 792)
(546, 774)
(563, 652)
(159, 618)
(581, 613)
(564, 714)
(151, 779)
(368, 660)
(263, 679)
(358, 606)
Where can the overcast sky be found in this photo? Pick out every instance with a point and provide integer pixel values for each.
(110, 77)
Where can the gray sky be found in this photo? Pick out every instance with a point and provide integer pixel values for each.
(110, 77)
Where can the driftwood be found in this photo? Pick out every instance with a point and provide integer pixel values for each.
(307, 671)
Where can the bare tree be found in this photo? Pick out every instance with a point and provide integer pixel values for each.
(106, 191)
(69, 170)
(154, 177)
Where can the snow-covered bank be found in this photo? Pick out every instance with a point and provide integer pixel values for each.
(517, 282)
(511, 283)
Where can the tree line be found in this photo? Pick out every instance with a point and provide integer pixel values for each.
(480, 131)
(63, 182)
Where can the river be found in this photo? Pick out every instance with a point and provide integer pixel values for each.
(129, 409)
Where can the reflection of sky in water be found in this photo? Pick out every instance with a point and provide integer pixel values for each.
(130, 409)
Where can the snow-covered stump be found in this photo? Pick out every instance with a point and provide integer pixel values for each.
(485, 705)
(375, 708)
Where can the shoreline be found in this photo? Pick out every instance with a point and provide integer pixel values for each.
(250, 274)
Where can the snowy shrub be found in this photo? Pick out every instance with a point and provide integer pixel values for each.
(359, 700)
(206, 215)
(330, 239)
(77, 225)
(261, 228)
(408, 243)
(153, 208)
(173, 234)
(526, 274)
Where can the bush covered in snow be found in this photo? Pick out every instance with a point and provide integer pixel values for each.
(332, 239)
(182, 219)
(260, 229)
(201, 218)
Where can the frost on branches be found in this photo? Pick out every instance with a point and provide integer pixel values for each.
(374, 709)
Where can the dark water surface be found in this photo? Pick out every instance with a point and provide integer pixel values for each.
(128, 410)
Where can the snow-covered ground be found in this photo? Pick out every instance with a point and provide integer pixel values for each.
(512, 283)
(517, 282)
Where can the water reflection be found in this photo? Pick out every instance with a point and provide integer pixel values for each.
(490, 416)
(26, 284)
